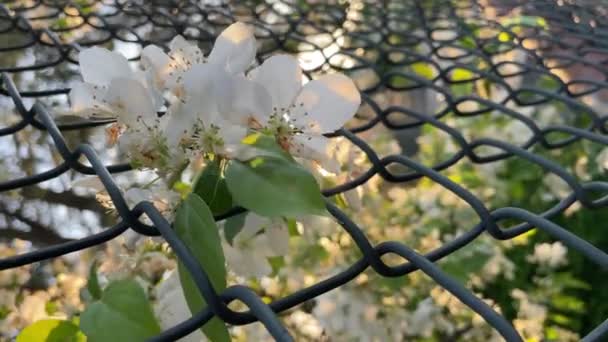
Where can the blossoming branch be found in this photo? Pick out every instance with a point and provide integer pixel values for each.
(259, 128)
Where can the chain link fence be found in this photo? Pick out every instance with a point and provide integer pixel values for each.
(442, 57)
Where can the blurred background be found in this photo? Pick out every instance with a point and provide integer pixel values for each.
(484, 68)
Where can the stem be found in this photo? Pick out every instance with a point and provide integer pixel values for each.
(147, 185)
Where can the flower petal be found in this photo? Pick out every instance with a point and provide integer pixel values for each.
(171, 307)
(313, 147)
(282, 77)
(179, 123)
(87, 101)
(205, 86)
(155, 61)
(184, 53)
(246, 262)
(233, 134)
(324, 105)
(244, 100)
(277, 234)
(99, 66)
(131, 100)
(146, 78)
(234, 48)
(253, 224)
(212, 91)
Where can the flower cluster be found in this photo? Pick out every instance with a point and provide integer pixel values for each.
(181, 105)
(211, 102)
(256, 128)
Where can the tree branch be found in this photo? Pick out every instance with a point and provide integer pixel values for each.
(39, 233)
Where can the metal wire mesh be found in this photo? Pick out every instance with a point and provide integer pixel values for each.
(389, 40)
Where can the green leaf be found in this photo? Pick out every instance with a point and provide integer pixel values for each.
(122, 314)
(233, 226)
(211, 188)
(276, 262)
(272, 187)
(51, 330)
(195, 226)
(93, 283)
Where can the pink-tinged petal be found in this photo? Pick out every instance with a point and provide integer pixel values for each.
(234, 48)
(100, 66)
(282, 77)
(326, 104)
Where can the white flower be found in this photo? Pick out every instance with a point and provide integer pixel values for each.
(549, 254)
(213, 95)
(531, 316)
(171, 307)
(302, 114)
(215, 111)
(225, 106)
(112, 90)
(259, 239)
(234, 51)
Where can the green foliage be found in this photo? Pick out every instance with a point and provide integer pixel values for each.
(465, 262)
(464, 85)
(4, 311)
(123, 313)
(273, 184)
(233, 226)
(266, 145)
(525, 20)
(195, 226)
(211, 187)
(93, 283)
(276, 263)
(311, 256)
(51, 330)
